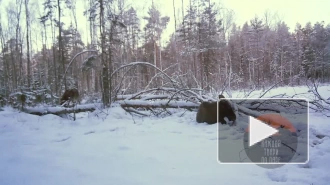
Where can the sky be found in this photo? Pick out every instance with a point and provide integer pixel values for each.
(289, 11)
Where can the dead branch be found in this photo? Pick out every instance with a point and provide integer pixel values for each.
(271, 88)
(247, 111)
(121, 82)
(174, 83)
(321, 104)
(184, 94)
(72, 60)
(255, 107)
(316, 92)
(130, 110)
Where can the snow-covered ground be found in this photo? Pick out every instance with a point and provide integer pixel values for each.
(120, 149)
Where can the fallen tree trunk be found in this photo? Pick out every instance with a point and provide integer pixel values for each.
(248, 111)
(158, 104)
(40, 111)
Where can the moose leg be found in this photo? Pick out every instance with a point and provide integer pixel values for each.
(222, 121)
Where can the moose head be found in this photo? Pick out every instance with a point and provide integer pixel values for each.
(70, 95)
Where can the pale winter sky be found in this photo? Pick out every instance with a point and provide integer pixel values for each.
(289, 11)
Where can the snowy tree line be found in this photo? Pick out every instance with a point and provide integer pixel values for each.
(207, 51)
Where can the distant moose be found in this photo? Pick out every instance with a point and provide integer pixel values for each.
(207, 112)
(70, 95)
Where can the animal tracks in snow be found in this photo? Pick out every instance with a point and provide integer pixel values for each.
(62, 140)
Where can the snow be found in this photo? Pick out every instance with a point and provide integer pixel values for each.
(294, 92)
(112, 147)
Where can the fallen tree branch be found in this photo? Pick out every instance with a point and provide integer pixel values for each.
(158, 104)
(174, 83)
(271, 88)
(130, 110)
(248, 111)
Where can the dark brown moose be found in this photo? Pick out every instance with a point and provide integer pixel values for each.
(207, 112)
(70, 95)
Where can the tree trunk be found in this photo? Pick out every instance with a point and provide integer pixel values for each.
(54, 57)
(105, 72)
(60, 44)
(28, 44)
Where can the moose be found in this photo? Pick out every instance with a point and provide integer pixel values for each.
(70, 95)
(207, 112)
(22, 99)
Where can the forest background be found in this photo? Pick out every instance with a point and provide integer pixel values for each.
(103, 47)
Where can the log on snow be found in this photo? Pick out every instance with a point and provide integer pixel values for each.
(40, 111)
(158, 104)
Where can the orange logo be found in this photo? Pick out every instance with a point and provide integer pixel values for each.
(275, 121)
